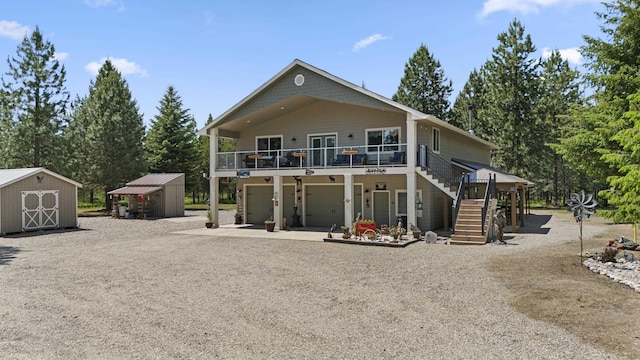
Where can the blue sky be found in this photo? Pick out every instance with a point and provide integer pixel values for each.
(217, 52)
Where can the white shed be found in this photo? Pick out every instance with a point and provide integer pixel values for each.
(36, 199)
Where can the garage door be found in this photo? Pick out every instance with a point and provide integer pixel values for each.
(324, 205)
(259, 204)
(40, 210)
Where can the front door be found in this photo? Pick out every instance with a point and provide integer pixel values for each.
(323, 149)
(381, 212)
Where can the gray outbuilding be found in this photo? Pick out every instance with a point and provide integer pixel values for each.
(36, 199)
(153, 196)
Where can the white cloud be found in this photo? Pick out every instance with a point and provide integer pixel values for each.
(105, 3)
(526, 6)
(13, 30)
(572, 55)
(60, 55)
(368, 41)
(125, 67)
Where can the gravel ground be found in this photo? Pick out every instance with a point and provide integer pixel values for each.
(129, 289)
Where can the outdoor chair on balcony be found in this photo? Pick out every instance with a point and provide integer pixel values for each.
(399, 157)
(341, 160)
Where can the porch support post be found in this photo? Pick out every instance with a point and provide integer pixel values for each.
(411, 200)
(348, 200)
(521, 205)
(277, 203)
(514, 208)
(214, 188)
(412, 141)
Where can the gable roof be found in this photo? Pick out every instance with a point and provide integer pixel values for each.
(10, 176)
(415, 114)
(155, 179)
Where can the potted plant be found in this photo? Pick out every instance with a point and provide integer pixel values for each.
(270, 224)
(209, 223)
(345, 232)
(384, 229)
(238, 218)
(396, 232)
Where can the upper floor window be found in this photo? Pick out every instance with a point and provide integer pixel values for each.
(383, 139)
(269, 144)
(436, 140)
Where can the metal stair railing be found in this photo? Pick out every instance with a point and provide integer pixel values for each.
(490, 193)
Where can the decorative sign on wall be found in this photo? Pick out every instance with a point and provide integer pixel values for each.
(381, 185)
(242, 174)
(376, 171)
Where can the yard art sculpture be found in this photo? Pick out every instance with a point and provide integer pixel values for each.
(499, 223)
(582, 206)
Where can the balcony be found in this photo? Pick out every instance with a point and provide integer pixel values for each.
(328, 157)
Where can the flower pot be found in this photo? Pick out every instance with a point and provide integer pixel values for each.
(209, 224)
(416, 234)
(270, 226)
(346, 236)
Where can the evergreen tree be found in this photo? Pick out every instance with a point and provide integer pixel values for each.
(512, 89)
(112, 147)
(34, 89)
(559, 90)
(472, 98)
(625, 187)
(613, 64)
(424, 87)
(171, 141)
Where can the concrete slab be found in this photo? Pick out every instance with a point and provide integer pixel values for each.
(241, 231)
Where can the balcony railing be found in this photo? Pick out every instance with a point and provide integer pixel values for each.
(324, 157)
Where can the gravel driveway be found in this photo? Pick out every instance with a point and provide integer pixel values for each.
(122, 289)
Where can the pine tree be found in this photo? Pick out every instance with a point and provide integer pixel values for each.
(512, 89)
(171, 141)
(625, 187)
(614, 65)
(37, 101)
(424, 87)
(559, 90)
(112, 147)
(472, 98)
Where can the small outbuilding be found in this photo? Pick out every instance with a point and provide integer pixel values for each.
(36, 199)
(153, 196)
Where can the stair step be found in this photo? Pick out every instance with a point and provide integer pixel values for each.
(467, 240)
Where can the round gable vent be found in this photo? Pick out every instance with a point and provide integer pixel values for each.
(299, 80)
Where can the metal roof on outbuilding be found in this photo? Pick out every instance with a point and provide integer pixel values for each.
(155, 179)
(10, 176)
(135, 190)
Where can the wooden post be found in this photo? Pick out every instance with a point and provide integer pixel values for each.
(521, 203)
(514, 225)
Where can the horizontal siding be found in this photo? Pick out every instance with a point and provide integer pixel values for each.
(11, 212)
(323, 118)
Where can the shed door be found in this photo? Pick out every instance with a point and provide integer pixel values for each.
(40, 210)
(324, 205)
(259, 204)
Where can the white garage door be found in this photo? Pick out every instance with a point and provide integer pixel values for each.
(40, 210)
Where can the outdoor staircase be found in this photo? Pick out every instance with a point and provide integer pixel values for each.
(447, 188)
(468, 226)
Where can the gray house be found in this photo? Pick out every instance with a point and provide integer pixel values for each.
(35, 199)
(317, 150)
